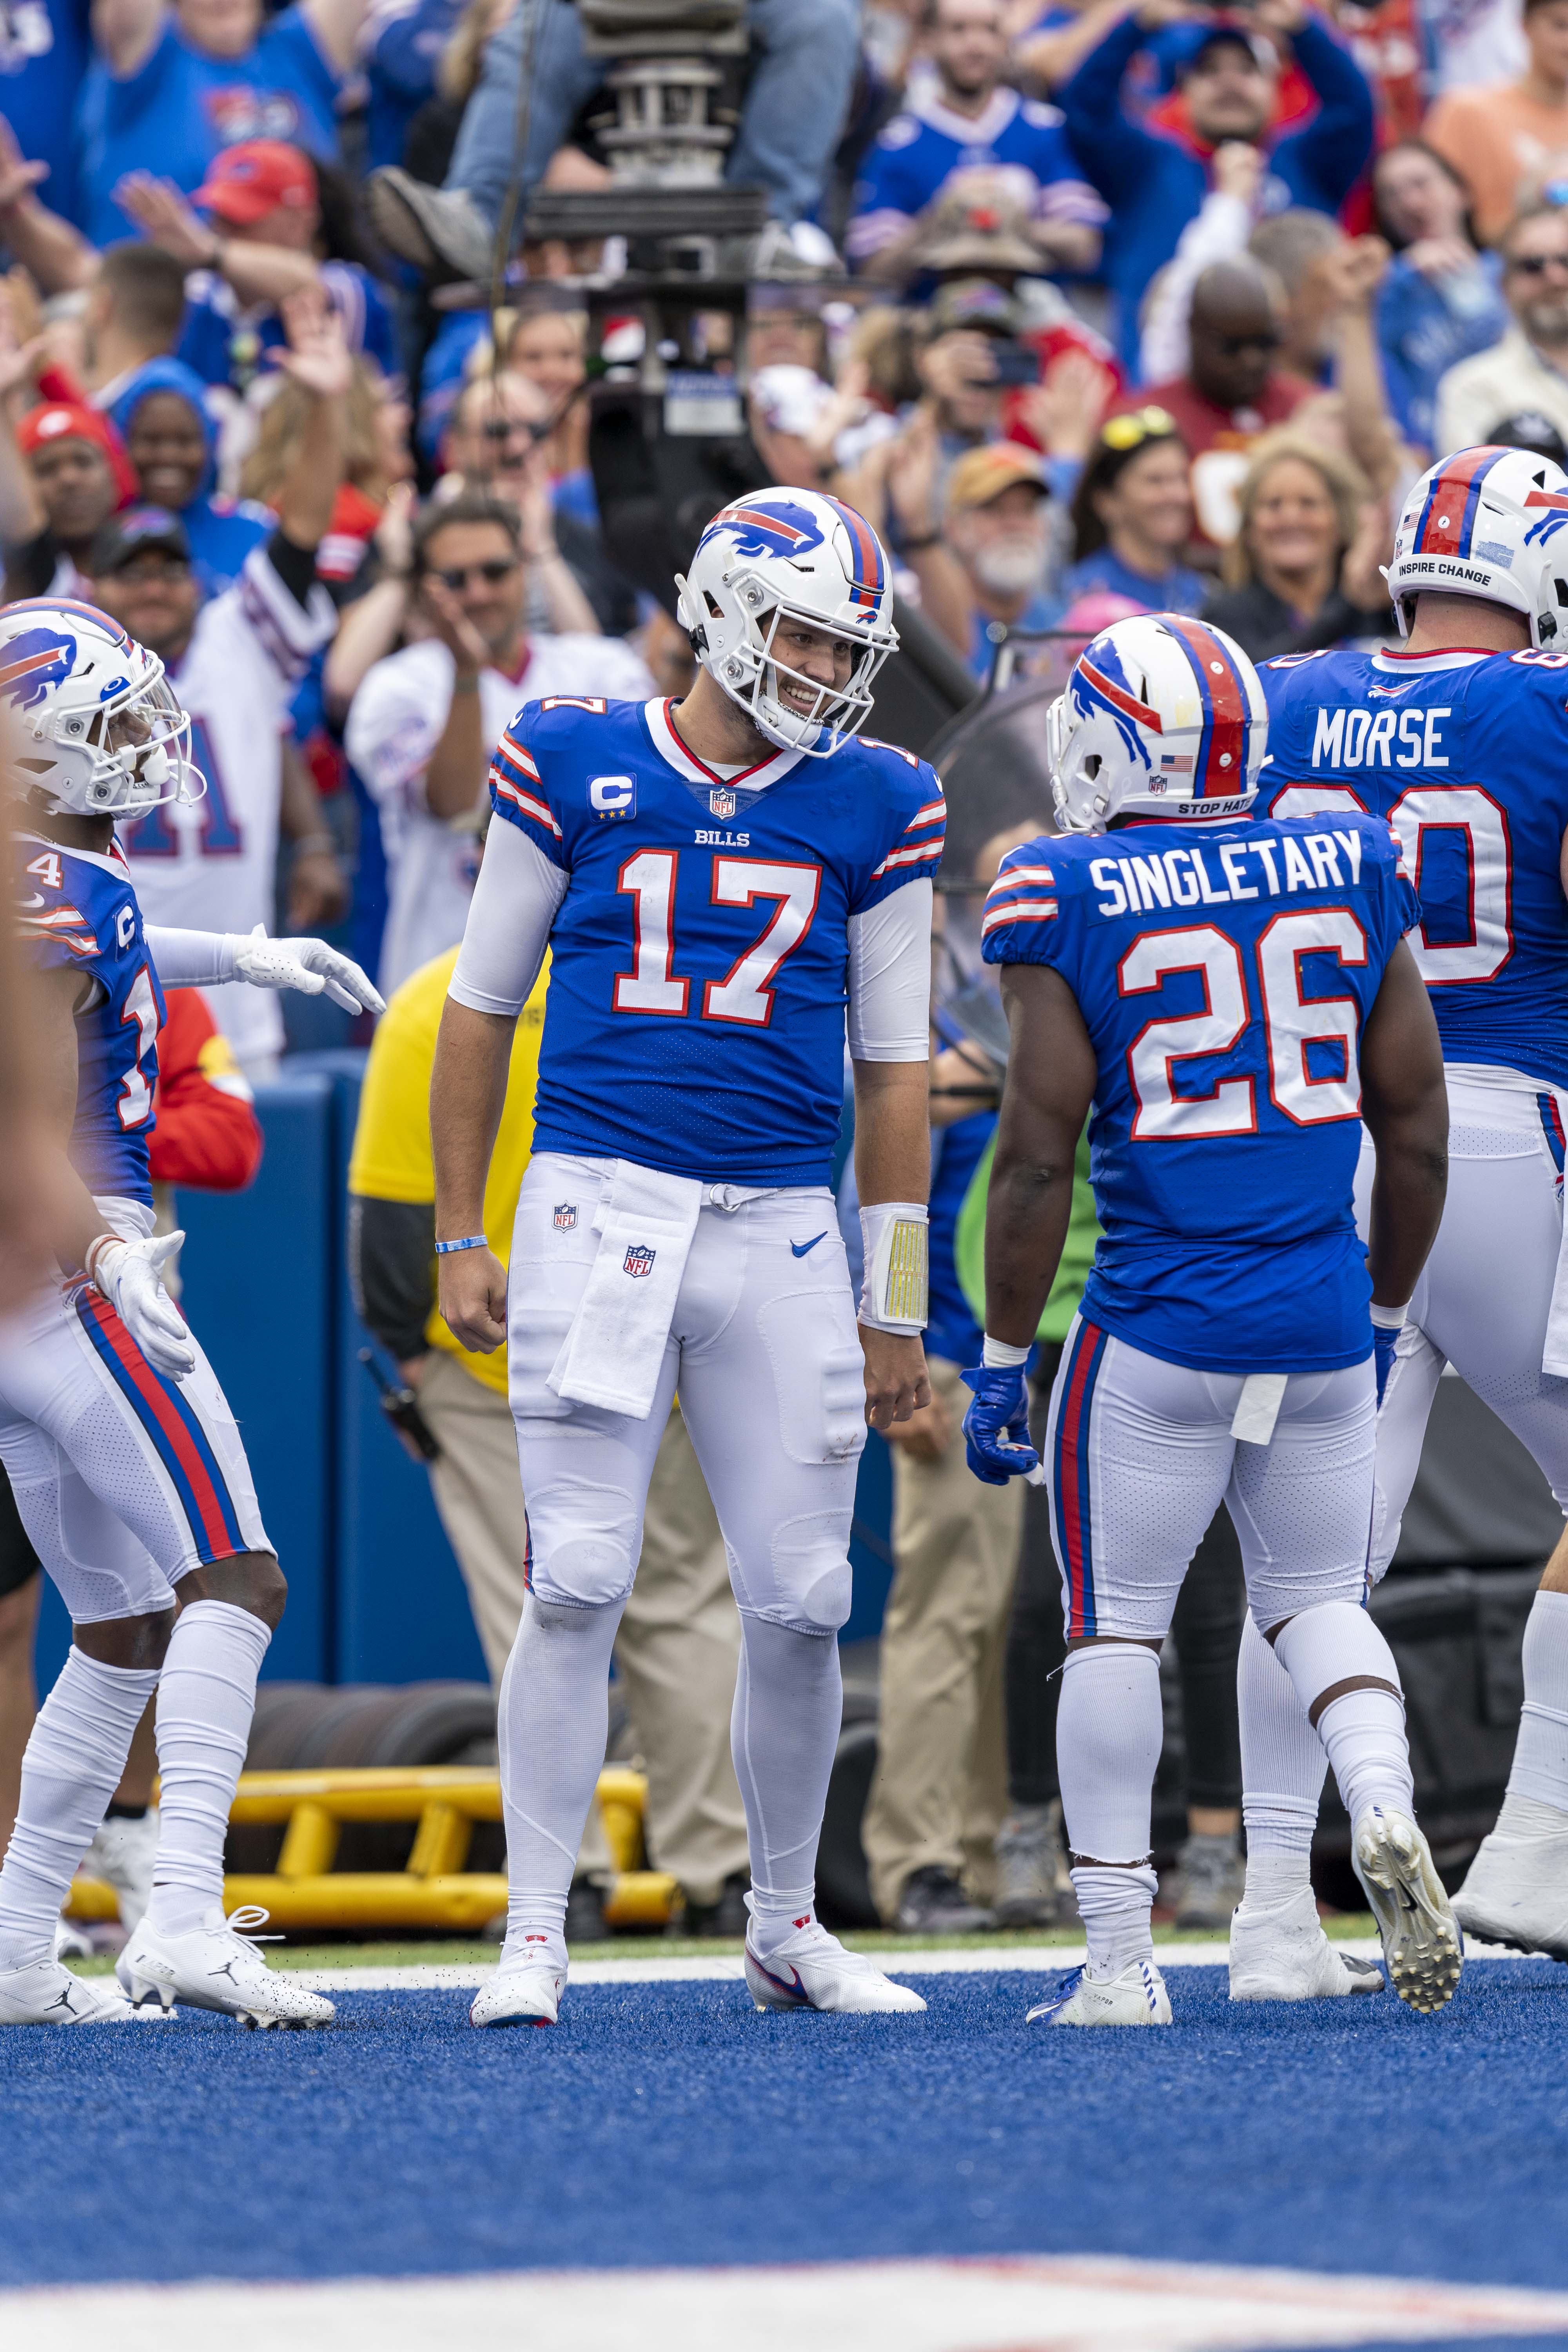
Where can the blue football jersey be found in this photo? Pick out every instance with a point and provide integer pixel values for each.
(699, 958)
(77, 908)
(1467, 755)
(1224, 972)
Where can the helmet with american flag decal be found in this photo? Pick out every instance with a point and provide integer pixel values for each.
(781, 555)
(1488, 523)
(1161, 716)
(92, 726)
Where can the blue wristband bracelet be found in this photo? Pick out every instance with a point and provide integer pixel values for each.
(474, 1241)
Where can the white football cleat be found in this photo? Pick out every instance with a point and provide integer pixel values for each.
(810, 1969)
(1516, 1892)
(528, 1994)
(1284, 1954)
(1421, 1940)
(122, 1854)
(1136, 1995)
(47, 1994)
(217, 1968)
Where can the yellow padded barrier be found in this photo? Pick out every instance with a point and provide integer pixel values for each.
(434, 1891)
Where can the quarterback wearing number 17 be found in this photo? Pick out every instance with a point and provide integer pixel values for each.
(1231, 995)
(727, 886)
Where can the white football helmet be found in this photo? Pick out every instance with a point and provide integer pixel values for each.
(795, 553)
(1161, 715)
(1485, 522)
(94, 722)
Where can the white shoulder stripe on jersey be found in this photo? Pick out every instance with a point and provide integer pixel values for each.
(1024, 910)
(527, 804)
(920, 854)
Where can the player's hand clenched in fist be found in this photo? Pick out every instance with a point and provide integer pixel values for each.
(472, 1296)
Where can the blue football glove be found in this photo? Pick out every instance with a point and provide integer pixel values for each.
(1384, 1344)
(996, 1426)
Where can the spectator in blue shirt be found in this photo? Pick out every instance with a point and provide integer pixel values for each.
(279, 223)
(1441, 301)
(173, 87)
(45, 46)
(1133, 517)
(1154, 181)
(160, 416)
(401, 50)
(968, 124)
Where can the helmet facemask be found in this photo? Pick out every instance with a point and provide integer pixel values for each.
(137, 748)
(751, 671)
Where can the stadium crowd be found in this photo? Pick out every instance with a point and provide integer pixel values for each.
(1090, 309)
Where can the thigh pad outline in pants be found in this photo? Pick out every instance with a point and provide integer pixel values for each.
(1302, 1504)
(1139, 1455)
(773, 1389)
(584, 1471)
(126, 1481)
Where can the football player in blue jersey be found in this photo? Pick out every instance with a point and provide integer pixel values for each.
(727, 886)
(124, 1455)
(1459, 738)
(1231, 996)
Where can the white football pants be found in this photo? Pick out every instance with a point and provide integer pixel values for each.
(1485, 1293)
(125, 1480)
(764, 1350)
(1140, 1456)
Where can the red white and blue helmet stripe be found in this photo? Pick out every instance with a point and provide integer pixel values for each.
(1220, 764)
(868, 578)
(1448, 519)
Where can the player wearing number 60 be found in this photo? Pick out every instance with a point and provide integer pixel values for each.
(1231, 995)
(1459, 738)
(716, 880)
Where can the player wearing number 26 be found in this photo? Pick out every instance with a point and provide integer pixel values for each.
(1229, 995)
(723, 884)
(1459, 738)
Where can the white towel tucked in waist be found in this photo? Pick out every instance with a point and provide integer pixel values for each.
(612, 1354)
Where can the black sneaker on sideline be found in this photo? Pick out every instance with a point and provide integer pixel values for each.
(725, 1919)
(934, 1904)
(585, 1921)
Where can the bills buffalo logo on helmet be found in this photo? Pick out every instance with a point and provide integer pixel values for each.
(640, 1258)
(779, 529)
(35, 662)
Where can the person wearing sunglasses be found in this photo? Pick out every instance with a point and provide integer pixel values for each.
(1233, 390)
(1132, 516)
(424, 723)
(1525, 368)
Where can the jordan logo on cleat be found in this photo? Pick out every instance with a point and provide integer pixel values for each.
(63, 2000)
(228, 1970)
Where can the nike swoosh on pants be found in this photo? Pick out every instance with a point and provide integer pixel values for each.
(799, 1249)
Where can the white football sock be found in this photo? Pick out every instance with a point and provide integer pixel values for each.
(1109, 1728)
(1364, 1732)
(1541, 1757)
(1116, 1907)
(75, 1755)
(1283, 1768)
(552, 1722)
(206, 1697)
(783, 1729)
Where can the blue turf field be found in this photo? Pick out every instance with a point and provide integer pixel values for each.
(671, 2124)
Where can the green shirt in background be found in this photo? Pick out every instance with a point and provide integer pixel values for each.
(1077, 1251)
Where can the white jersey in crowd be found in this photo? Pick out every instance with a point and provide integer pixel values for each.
(394, 724)
(211, 867)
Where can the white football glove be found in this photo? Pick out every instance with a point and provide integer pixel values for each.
(130, 1275)
(308, 965)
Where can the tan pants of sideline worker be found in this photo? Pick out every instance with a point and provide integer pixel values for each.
(940, 1794)
(679, 1639)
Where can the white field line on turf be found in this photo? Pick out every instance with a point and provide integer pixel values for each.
(985, 1959)
(1061, 2303)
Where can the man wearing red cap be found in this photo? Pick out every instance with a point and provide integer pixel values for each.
(262, 242)
(63, 472)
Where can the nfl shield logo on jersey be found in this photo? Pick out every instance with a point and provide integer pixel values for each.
(640, 1258)
(565, 1216)
(721, 801)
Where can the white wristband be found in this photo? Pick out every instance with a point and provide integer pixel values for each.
(1389, 1318)
(897, 1245)
(999, 1354)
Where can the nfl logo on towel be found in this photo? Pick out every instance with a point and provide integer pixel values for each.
(639, 1258)
(565, 1216)
(721, 801)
